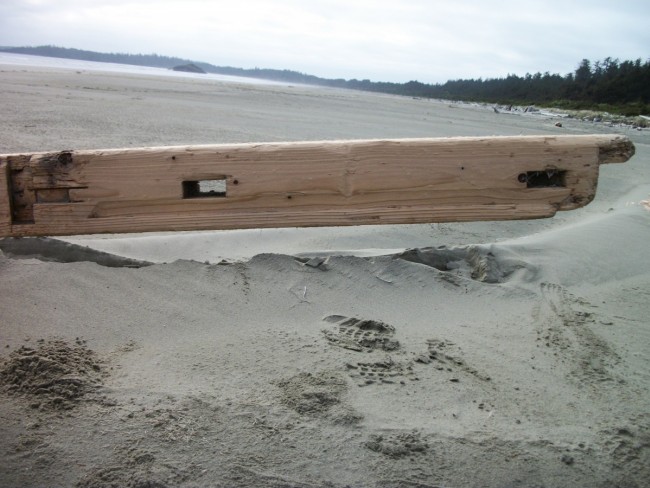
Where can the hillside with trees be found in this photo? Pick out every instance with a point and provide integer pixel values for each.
(611, 85)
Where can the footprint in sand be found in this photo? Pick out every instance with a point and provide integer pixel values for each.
(440, 355)
(398, 445)
(381, 372)
(362, 335)
(564, 326)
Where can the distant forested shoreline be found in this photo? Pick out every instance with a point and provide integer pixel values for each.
(611, 85)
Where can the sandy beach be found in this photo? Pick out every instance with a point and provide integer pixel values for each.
(488, 354)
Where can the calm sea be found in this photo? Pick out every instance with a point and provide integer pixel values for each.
(78, 65)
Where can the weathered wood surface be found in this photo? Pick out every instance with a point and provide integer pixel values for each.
(301, 184)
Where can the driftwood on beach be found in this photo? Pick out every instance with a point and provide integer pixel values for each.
(301, 184)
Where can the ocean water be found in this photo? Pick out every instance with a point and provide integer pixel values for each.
(78, 65)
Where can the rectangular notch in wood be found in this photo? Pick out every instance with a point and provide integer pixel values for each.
(551, 178)
(22, 195)
(53, 195)
(204, 188)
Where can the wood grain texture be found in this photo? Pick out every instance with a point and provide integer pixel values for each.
(299, 184)
(5, 199)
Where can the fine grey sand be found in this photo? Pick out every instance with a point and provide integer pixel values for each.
(490, 354)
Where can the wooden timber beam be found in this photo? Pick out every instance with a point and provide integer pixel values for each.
(301, 184)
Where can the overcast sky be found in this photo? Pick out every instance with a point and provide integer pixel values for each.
(383, 40)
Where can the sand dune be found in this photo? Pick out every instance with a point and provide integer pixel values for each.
(483, 354)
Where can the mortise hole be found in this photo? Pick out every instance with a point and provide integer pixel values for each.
(204, 188)
(53, 195)
(550, 178)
